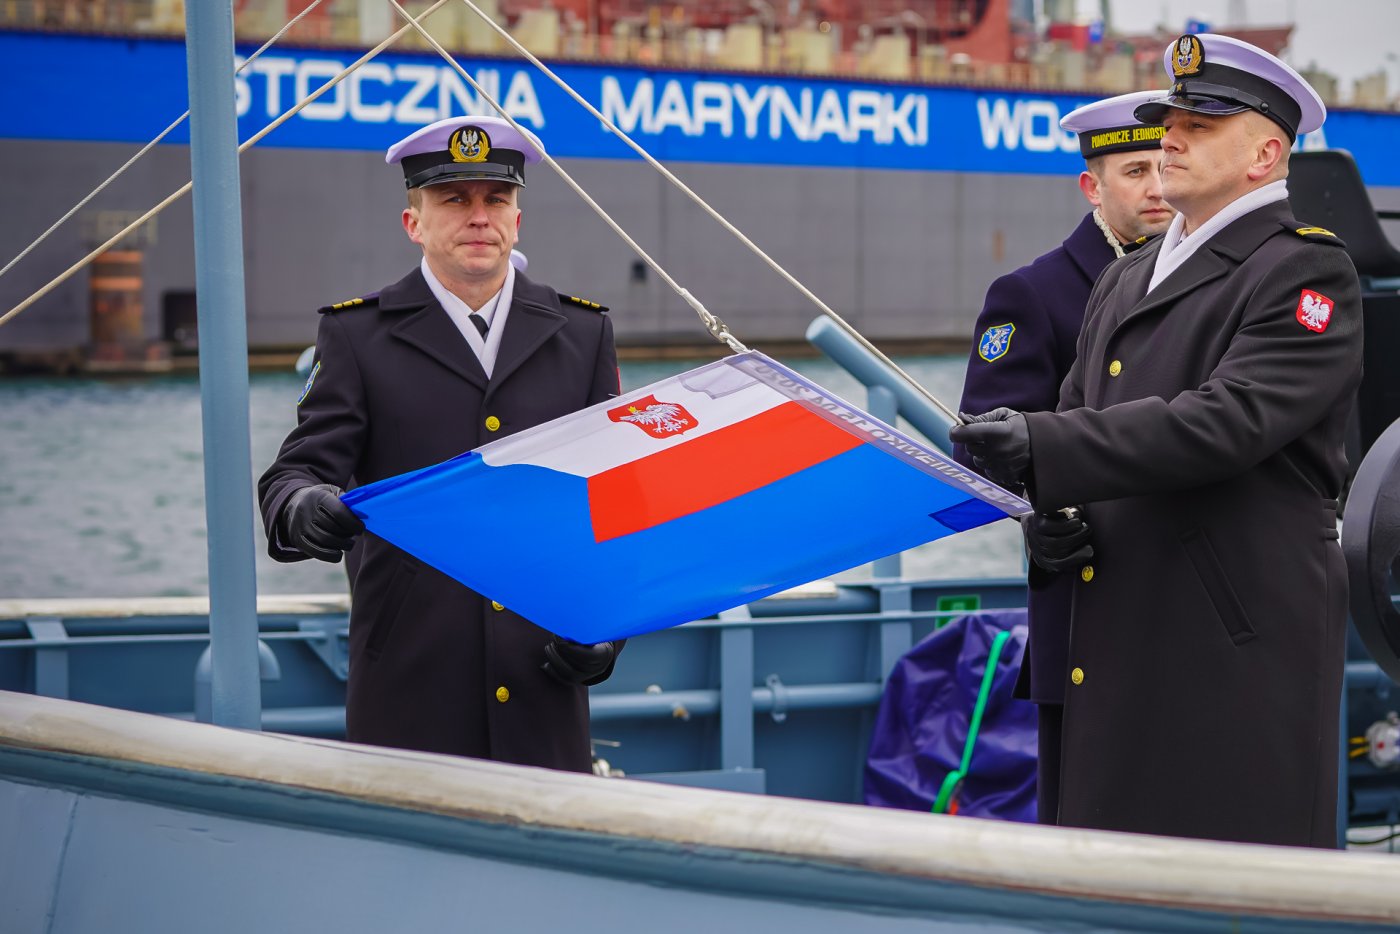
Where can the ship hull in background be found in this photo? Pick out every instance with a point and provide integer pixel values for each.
(898, 204)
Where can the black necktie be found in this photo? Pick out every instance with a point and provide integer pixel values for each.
(479, 323)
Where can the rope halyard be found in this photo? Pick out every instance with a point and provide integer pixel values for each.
(151, 145)
(184, 189)
(705, 206)
(716, 327)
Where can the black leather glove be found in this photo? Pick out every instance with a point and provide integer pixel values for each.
(1058, 542)
(575, 663)
(318, 524)
(1000, 444)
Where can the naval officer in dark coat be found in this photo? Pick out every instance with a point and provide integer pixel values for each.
(1203, 424)
(461, 351)
(1023, 347)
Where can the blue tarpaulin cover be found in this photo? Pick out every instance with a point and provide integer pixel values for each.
(922, 724)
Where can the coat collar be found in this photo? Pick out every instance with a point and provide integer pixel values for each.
(1226, 250)
(1245, 234)
(534, 318)
(1088, 249)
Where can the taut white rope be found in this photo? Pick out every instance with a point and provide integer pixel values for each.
(176, 195)
(724, 222)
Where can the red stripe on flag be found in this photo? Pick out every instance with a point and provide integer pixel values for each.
(711, 469)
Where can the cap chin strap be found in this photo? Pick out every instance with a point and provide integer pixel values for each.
(1109, 235)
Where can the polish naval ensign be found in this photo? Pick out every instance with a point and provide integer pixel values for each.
(658, 419)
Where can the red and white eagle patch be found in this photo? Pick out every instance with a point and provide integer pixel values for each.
(1314, 310)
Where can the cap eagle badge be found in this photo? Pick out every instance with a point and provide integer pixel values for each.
(1187, 56)
(469, 144)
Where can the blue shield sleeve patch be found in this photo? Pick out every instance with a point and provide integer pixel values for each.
(309, 380)
(995, 342)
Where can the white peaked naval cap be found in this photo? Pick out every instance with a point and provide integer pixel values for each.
(1219, 75)
(465, 148)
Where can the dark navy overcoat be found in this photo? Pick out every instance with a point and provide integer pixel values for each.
(1203, 424)
(433, 665)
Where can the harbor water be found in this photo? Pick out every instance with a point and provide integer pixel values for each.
(101, 484)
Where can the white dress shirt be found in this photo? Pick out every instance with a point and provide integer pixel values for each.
(494, 313)
(1177, 247)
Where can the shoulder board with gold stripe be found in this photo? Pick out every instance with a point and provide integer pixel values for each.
(582, 302)
(1318, 234)
(372, 298)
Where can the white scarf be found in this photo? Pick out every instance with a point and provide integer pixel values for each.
(1177, 247)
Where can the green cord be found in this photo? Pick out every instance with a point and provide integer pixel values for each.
(954, 778)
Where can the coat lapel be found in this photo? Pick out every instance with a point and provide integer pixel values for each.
(534, 318)
(1203, 266)
(1132, 284)
(430, 329)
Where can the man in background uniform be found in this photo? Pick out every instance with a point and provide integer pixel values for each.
(1203, 424)
(461, 351)
(1024, 346)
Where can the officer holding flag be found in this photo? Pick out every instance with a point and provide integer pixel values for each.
(461, 351)
(1202, 425)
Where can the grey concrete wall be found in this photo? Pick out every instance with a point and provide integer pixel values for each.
(901, 254)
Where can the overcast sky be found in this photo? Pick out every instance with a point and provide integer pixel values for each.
(1348, 38)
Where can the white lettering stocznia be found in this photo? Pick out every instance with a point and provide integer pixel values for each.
(410, 93)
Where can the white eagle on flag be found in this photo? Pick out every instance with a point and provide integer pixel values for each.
(660, 417)
(657, 418)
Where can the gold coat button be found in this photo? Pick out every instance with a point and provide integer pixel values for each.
(1077, 676)
(503, 693)
(1086, 573)
(493, 423)
(498, 608)
(1115, 368)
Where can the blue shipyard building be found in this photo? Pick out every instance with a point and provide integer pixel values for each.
(896, 202)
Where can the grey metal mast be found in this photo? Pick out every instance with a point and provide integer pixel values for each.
(223, 364)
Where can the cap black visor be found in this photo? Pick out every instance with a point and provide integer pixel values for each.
(437, 168)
